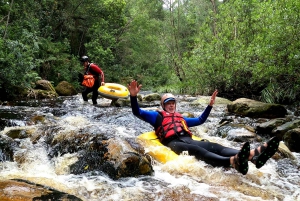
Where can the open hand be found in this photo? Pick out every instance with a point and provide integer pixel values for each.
(213, 98)
(134, 88)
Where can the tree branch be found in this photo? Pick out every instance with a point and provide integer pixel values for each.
(7, 21)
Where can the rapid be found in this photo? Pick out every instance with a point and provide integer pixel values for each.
(182, 179)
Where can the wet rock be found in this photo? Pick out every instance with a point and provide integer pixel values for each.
(267, 127)
(99, 152)
(236, 132)
(256, 109)
(292, 139)
(64, 88)
(72, 143)
(285, 152)
(145, 101)
(43, 90)
(16, 190)
(151, 97)
(281, 130)
(126, 160)
(19, 132)
(6, 148)
(41, 94)
(226, 120)
(37, 119)
(114, 157)
(144, 104)
(188, 98)
(140, 97)
(94, 151)
(188, 114)
(44, 85)
(136, 146)
(121, 102)
(199, 130)
(204, 100)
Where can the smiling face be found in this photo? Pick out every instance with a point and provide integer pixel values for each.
(170, 106)
(168, 102)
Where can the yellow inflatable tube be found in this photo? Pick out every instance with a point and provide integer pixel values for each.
(157, 150)
(113, 91)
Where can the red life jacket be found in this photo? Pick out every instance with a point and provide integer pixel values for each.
(172, 124)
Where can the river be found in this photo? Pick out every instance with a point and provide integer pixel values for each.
(182, 179)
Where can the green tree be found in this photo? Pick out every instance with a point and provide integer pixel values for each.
(105, 35)
(18, 49)
(255, 47)
(141, 52)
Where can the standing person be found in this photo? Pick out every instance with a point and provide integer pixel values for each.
(172, 129)
(95, 70)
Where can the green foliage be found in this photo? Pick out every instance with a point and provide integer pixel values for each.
(280, 93)
(105, 31)
(17, 59)
(243, 48)
(141, 52)
(255, 42)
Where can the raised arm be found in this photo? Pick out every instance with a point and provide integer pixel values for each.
(213, 98)
(148, 116)
(134, 88)
(203, 117)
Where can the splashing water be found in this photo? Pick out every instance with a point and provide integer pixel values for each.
(184, 178)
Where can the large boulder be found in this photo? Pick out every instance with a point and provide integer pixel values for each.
(43, 90)
(90, 148)
(64, 88)
(281, 130)
(285, 152)
(44, 85)
(6, 148)
(268, 126)
(41, 94)
(152, 97)
(256, 109)
(115, 157)
(204, 100)
(292, 139)
(236, 132)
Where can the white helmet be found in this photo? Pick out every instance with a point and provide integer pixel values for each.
(165, 98)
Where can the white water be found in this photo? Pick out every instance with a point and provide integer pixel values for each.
(182, 179)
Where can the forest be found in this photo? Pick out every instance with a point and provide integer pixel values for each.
(242, 48)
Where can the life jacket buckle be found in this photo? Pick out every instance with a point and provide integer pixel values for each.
(181, 133)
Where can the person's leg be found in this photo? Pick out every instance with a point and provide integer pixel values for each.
(85, 92)
(239, 161)
(94, 97)
(200, 153)
(212, 147)
(258, 156)
(95, 92)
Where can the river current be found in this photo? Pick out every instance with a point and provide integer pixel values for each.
(182, 179)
